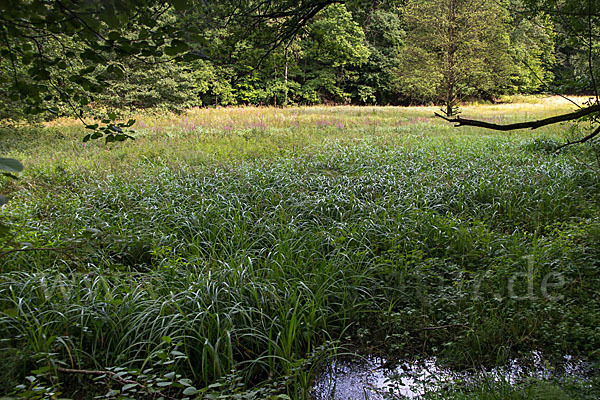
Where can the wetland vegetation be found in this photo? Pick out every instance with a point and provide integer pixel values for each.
(235, 251)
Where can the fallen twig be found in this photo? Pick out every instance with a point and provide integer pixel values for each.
(57, 249)
(114, 376)
(433, 328)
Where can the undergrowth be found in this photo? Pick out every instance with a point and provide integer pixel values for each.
(216, 261)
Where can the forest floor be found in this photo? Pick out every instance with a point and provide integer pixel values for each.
(238, 250)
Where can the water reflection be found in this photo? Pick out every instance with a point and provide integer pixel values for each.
(370, 378)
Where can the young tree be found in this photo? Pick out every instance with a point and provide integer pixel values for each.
(579, 23)
(454, 49)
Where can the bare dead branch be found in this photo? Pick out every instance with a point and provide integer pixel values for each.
(113, 375)
(434, 328)
(110, 374)
(55, 249)
(582, 140)
(459, 121)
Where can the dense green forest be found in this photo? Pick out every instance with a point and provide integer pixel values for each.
(396, 52)
(375, 52)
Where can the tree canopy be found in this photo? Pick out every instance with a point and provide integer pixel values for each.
(455, 49)
(61, 56)
(68, 56)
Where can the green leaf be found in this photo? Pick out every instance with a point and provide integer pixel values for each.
(11, 312)
(88, 70)
(120, 373)
(177, 46)
(190, 391)
(180, 45)
(167, 339)
(41, 370)
(129, 386)
(116, 70)
(171, 51)
(91, 55)
(180, 5)
(113, 35)
(10, 165)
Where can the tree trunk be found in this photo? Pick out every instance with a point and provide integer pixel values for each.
(450, 62)
(285, 78)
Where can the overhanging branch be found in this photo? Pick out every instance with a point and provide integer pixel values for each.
(582, 140)
(459, 121)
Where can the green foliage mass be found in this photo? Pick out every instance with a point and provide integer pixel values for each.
(252, 250)
(164, 85)
(385, 35)
(51, 51)
(532, 48)
(280, 52)
(386, 52)
(454, 50)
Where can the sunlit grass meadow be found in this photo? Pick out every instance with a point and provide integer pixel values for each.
(242, 247)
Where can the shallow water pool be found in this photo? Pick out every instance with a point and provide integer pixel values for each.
(371, 378)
